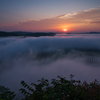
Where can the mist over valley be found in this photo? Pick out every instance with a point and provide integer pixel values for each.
(33, 58)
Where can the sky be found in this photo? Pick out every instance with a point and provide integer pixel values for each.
(50, 15)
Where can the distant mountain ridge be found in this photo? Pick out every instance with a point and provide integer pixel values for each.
(32, 34)
(85, 33)
(36, 34)
(94, 32)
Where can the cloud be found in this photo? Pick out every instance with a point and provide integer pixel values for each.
(96, 22)
(11, 48)
(78, 18)
(69, 15)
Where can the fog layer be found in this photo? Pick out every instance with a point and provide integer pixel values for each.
(30, 59)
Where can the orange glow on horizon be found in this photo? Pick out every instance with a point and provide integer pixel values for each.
(65, 29)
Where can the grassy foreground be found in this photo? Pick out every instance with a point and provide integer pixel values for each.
(57, 89)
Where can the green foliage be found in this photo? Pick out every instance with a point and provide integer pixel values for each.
(6, 94)
(61, 89)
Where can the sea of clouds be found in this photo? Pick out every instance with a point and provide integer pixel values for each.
(30, 58)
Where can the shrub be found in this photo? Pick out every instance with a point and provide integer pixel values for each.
(61, 89)
(6, 94)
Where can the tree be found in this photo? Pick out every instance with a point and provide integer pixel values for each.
(6, 94)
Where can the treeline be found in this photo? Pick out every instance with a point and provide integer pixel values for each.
(32, 34)
(56, 89)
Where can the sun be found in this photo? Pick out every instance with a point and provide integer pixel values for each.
(64, 29)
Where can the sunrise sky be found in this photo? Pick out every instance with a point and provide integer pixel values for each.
(50, 15)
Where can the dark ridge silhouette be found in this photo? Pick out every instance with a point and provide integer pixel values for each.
(32, 34)
(85, 33)
(94, 32)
